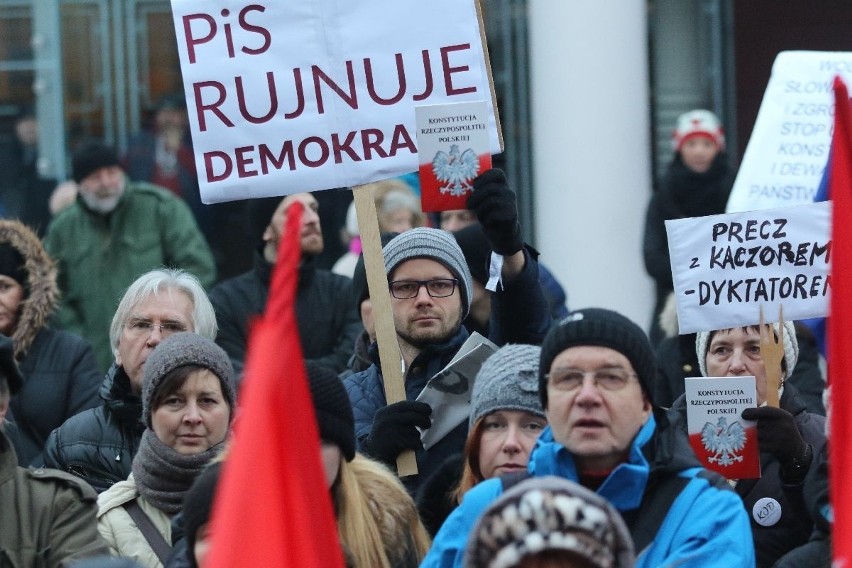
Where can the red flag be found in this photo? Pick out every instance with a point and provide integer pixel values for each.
(272, 506)
(839, 326)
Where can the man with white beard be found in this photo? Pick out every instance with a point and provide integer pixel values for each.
(116, 230)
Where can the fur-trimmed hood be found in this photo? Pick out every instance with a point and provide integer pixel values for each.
(43, 292)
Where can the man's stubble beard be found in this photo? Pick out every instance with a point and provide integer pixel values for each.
(430, 336)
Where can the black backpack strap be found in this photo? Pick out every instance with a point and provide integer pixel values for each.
(509, 480)
(645, 522)
(146, 526)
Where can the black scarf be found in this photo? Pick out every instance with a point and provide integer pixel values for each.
(163, 476)
(686, 193)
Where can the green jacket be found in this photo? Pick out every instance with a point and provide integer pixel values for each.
(99, 256)
(47, 517)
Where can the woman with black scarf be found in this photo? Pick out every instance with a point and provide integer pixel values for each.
(697, 183)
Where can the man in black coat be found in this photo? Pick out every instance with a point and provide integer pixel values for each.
(99, 444)
(328, 325)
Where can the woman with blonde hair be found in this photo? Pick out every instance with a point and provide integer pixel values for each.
(377, 521)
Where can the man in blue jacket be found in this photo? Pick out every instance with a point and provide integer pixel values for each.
(431, 293)
(595, 382)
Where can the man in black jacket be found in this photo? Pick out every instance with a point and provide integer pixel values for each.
(99, 444)
(328, 325)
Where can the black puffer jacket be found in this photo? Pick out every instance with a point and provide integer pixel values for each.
(328, 324)
(794, 526)
(99, 444)
(61, 375)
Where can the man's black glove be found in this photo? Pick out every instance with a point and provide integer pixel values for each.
(395, 430)
(778, 435)
(496, 207)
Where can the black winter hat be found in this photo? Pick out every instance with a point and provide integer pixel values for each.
(198, 503)
(360, 291)
(476, 249)
(8, 366)
(90, 157)
(604, 328)
(12, 264)
(332, 407)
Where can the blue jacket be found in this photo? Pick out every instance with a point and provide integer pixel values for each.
(704, 525)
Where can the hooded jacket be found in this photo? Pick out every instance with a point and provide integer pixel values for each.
(100, 443)
(47, 517)
(703, 522)
(61, 376)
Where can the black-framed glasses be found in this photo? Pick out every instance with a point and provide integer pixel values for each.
(436, 288)
(608, 379)
(142, 328)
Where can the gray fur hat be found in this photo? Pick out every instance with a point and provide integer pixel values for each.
(549, 513)
(434, 244)
(791, 347)
(181, 349)
(508, 380)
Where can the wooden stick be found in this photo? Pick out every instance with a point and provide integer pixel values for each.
(377, 283)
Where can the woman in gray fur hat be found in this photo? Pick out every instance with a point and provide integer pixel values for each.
(188, 402)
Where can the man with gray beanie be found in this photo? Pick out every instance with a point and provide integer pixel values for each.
(595, 382)
(431, 292)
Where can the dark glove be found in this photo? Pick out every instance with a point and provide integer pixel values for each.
(496, 207)
(778, 435)
(395, 430)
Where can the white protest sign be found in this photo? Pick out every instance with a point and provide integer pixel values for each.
(725, 266)
(789, 146)
(286, 97)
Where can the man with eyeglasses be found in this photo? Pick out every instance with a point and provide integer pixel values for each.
(99, 444)
(596, 383)
(431, 292)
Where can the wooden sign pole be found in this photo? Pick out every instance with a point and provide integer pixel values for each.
(377, 283)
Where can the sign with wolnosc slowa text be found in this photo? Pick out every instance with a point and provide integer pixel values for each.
(789, 145)
(725, 267)
(285, 97)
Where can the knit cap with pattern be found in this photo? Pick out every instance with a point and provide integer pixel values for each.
(549, 514)
(603, 328)
(186, 349)
(698, 122)
(508, 380)
(434, 244)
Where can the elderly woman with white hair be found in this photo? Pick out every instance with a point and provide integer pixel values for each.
(789, 436)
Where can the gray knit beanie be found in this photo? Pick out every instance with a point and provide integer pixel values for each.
(434, 244)
(186, 349)
(791, 347)
(508, 380)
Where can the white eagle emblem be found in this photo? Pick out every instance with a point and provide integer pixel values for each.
(724, 441)
(455, 170)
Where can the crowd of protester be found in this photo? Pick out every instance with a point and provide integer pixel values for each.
(125, 323)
